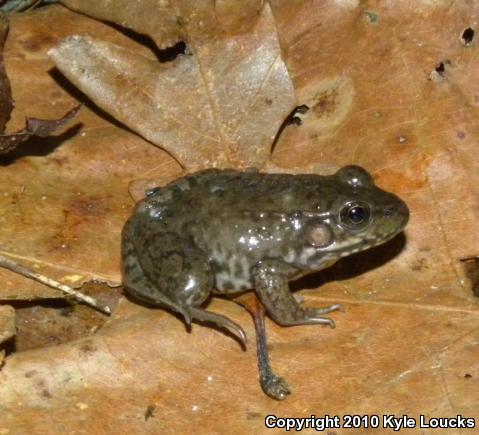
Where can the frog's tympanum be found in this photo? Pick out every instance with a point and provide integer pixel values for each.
(226, 231)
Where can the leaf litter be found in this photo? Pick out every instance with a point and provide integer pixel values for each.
(33, 126)
(9, 142)
(414, 306)
(236, 94)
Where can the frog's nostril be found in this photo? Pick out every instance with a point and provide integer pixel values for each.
(389, 211)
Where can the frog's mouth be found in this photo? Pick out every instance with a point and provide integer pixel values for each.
(363, 242)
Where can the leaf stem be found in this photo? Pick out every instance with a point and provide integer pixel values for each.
(21, 270)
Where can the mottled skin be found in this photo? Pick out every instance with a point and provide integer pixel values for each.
(225, 231)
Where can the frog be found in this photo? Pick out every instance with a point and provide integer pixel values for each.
(225, 232)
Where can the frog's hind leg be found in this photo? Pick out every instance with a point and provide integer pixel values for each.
(173, 272)
(140, 287)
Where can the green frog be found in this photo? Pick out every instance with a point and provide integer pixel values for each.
(227, 231)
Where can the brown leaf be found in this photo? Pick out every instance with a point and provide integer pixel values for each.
(7, 327)
(204, 379)
(409, 324)
(151, 17)
(7, 323)
(372, 102)
(34, 127)
(471, 267)
(221, 106)
(168, 22)
(237, 16)
(6, 102)
(63, 207)
(41, 324)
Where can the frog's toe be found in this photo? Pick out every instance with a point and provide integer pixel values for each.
(186, 316)
(275, 386)
(327, 310)
(220, 321)
(313, 317)
(325, 321)
(329, 322)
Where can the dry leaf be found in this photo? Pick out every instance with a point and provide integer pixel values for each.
(7, 327)
(168, 22)
(155, 18)
(146, 356)
(7, 322)
(220, 106)
(380, 109)
(65, 199)
(471, 268)
(34, 126)
(22, 5)
(5, 91)
(51, 322)
(406, 342)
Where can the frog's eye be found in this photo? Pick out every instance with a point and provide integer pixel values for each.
(355, 215)
(355, 176)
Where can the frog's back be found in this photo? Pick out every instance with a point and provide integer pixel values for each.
(232, 192)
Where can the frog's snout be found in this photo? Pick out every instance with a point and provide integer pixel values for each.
(397, 214)
(404, 213)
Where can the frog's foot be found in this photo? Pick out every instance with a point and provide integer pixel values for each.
(220, 321)
(314, 315)
(273, 290)
(309, 316)
(275, 386)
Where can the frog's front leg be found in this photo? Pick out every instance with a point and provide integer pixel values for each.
(271, 285)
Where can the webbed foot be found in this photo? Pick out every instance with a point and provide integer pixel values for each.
(275, 386)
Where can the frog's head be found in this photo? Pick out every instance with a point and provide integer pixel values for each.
(359, 215)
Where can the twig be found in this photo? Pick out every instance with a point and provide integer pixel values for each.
(17, 268)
